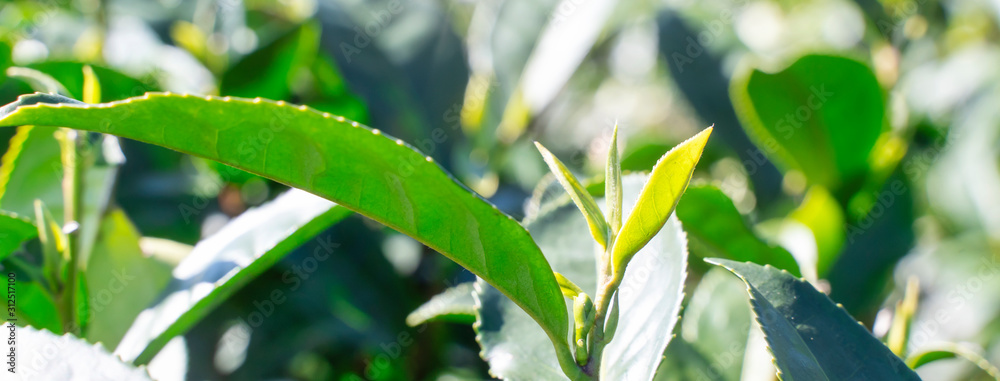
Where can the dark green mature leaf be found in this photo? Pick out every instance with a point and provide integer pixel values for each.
(821, 115)
(220, 265)
(453, 305)
(43, 356)
(810, 337)
(711, 218)
(650, 296)
(14, 230)
(360, 168)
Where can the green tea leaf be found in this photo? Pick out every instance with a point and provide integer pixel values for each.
(810, 337)
(613, 185)
(269, 71)
(659, 197)
(649, 299)
(821, 115)
(716, 325)
(360, 168)
(14, 231)
(568, 288)
(37, 80)
(598, 226)
(53, 243)
(121, 280)
(41, 355)
(227, 261)
(453, 305)
(31, 169)
(113, 84)
(711, 218)
(91, 86)
(951, 351)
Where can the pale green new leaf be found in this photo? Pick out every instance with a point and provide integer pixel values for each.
(659, 197)
(598, 226)
(649, 302)
(613, 185)
(357, 167)
(568, 288)
(810, 337)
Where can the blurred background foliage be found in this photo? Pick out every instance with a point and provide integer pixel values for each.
(861, 137)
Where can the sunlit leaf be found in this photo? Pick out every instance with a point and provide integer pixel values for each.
(649, 300)
(220, 265)
(360, 168)
(659, 197)
(453, 305)
(44, 356)
(613, 185)
(598, 226)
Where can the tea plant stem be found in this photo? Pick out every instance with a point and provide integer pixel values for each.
(604, 296)
(73, 198)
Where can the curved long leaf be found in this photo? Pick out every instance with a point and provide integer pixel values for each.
(810, 337)
(220, 265)
(357, 167)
